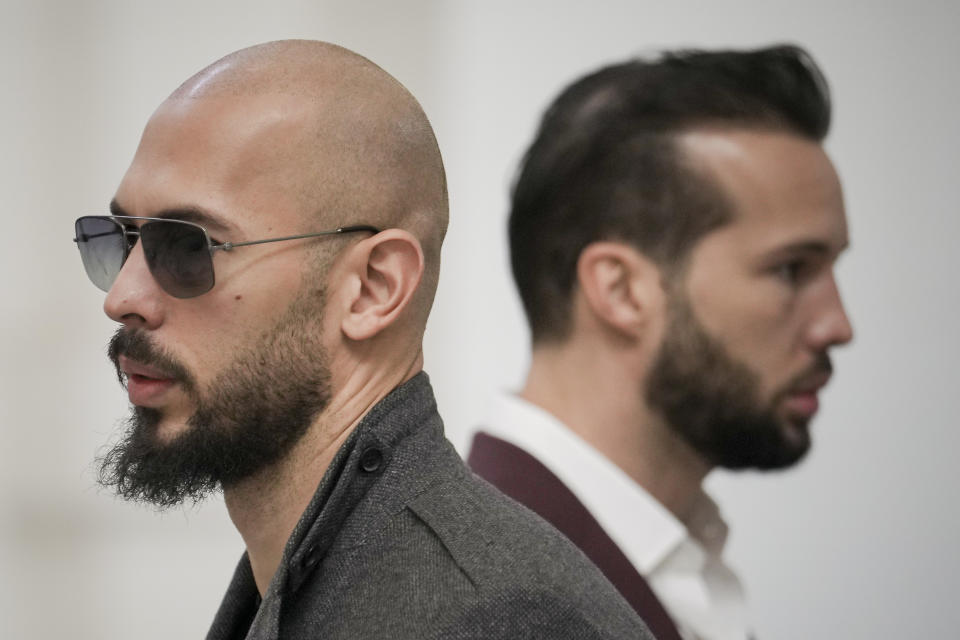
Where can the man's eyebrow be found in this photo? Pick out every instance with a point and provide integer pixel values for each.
(810, 247)
(196, 215)
(116, 209)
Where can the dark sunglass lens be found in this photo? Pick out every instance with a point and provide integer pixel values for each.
(178, 257)
(103, 249)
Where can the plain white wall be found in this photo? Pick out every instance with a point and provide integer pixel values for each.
(858, 542)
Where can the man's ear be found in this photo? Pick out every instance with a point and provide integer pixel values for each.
(389, 267)
(619, 285)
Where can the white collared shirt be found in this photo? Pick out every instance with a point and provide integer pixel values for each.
(681, 563)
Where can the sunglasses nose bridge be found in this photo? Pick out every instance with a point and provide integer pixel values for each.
(130, 236)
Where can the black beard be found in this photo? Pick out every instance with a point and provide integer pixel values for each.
(714, 401)
(250, 416)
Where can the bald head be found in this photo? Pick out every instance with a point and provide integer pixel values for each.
(339, 139)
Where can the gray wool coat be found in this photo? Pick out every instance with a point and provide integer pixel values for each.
(402, 541)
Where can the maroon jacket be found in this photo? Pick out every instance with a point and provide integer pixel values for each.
(524, 478)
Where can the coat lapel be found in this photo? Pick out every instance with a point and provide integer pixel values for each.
(525, 479)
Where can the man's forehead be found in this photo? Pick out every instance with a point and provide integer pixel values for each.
(230, 117)
(725, 149)
(207, 158)
(777, 185)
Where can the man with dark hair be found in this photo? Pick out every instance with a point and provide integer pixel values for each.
(673, 234)
(309, 182)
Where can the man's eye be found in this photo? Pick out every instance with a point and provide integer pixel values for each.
(791, 272)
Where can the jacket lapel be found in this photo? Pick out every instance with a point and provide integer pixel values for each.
(525, 479)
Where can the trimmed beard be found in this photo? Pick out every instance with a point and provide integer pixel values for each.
(714, 400)
(248, 418)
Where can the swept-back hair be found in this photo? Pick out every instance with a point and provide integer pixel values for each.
(605, 165)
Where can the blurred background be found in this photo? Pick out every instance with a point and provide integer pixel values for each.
(860, 541)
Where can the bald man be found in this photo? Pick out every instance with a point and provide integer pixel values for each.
(271, 259)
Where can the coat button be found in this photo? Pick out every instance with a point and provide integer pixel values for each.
(370, 460)
(310, 558)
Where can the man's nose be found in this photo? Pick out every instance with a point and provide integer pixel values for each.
(831, 326)
(135, 300)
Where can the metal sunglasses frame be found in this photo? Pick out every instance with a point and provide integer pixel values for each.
(225, 246)
(211, 247)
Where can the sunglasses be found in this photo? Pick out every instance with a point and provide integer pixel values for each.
(179, 254)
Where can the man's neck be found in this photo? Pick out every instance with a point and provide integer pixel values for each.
(604, 404)
(266, 507)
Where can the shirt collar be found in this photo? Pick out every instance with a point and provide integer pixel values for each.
(615, 500)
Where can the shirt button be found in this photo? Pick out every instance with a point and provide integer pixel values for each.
(370, 460)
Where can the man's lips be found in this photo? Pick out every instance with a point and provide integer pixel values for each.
(801, 400)
(802, 404)
(813, 383)
(145, 384)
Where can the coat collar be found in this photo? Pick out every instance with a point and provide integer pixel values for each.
(337, 515)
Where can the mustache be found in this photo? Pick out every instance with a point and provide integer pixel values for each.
(137, 345)
(822, 366)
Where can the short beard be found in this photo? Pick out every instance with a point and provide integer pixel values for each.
(248, 418)
(714, 401)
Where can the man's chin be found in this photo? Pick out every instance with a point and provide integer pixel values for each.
(792, 445)
(161, 471)
(169, 431)
(795, 426)
(159, 426)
